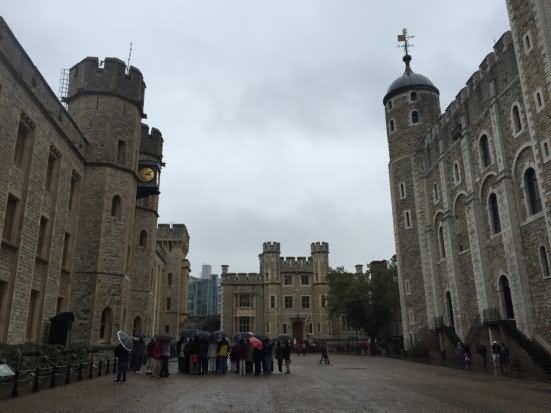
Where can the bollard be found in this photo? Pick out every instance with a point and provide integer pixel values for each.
(52, 382)
(99, 367)
(15, 390)
(79, 371)
(68, 374)
(36, 380)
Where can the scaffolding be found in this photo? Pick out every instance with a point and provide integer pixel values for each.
(63, 86)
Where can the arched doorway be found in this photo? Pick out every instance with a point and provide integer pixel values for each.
(137, 327)
(106, 326)
(506, 297)
(450, 308)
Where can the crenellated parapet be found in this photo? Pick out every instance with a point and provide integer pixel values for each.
(152, 142)
(271, 247)
(295, 264)
(320, 247)
(89, 77)
(242, 278)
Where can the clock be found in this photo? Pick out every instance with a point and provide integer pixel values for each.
(147, 174)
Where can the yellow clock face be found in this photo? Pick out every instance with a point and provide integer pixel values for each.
(146, 174)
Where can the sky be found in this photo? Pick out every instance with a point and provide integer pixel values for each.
(271, 111)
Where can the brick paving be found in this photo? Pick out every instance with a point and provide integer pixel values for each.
(351, 384)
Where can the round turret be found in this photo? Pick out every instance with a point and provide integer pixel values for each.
(409, 81)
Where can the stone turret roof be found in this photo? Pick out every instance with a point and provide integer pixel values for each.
(409, 81)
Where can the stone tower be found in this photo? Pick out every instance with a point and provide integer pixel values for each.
(412, 107)
(107, 105)
(270, 270)
(320, 269)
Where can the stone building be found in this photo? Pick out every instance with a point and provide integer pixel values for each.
(78, 204)
(288, 295)
(471, 194)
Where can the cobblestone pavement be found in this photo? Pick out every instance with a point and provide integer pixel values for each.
(351, 384)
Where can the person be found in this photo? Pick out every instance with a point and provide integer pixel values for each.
(495, 356)
(203, 355)
(267, 357)
(279, 357)
(467, 356)
(324, 353)
(156, 359)
(121, 354)
(212, 356)
(165, 355)
(180, 345)
(257, 359)
(194, 358)
(234, 358)
(298, 347)
(504, 359)
(242, 352)
(483, 352)
(150, 359)
(287, 357)
(138, 354)
(305, 346)
(222, 357)
(250, 358)
(460, 354)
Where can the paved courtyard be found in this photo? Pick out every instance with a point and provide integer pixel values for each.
(350, 384)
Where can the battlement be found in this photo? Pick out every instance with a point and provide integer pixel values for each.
(90, 78)
(242, 278)
(152, 142)
(172, 232)
(272, 247)
(320, 247)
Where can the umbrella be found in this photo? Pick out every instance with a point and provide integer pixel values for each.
(256, 343)
(125, 340)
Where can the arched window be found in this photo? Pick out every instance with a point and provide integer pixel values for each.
(494, 213)
(391, 125)
(485, 157)
(143, 238)
(450, 308)
(435, 195)
(106, 325)
(532, 191)
(517, 123)
(137, 327)
(544, 262)
(414, 117)
(441, 242)
(116, 206)
(456, 174)
(509, 311)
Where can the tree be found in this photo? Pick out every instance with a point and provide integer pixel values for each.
(368, 301)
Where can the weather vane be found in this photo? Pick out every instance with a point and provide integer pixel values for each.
(404, 38)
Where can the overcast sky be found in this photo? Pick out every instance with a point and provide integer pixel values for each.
(271, 111)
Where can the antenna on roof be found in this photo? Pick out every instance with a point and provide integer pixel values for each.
(404, 38)
(129, 57)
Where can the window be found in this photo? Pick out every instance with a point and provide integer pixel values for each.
(391, 125)
(506, 297)
(538, 97)
(402, 190)
(441, 242)
(244, 324)
(527, 42)
(413, 96)
(544, 261)
(167, 329)
(51, 172)
(244, 300)
(121, 151)
(22, 146)
(267, 328)
(456, 173)
(288, 280)
(304, 280)
(435, 195)
(407, 219)
(323, 301)
(272, 301)
(74, 190)
(116, 206)
(305, 301)
(169, 279)
(12, 220)
(32, 316)
(319, 327)
(517, 122)
(494, 213)
(310, 328)
(288, 301)
(484, 146)
(532, 191)
(168, 303)
(449, 305)
(545, 150)
(65, 262)
(43, 238)
(414, 117)
(284, 328)
(411, 317)
(407, 287)
(143, 238)
(390, 105)
(106, 325)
